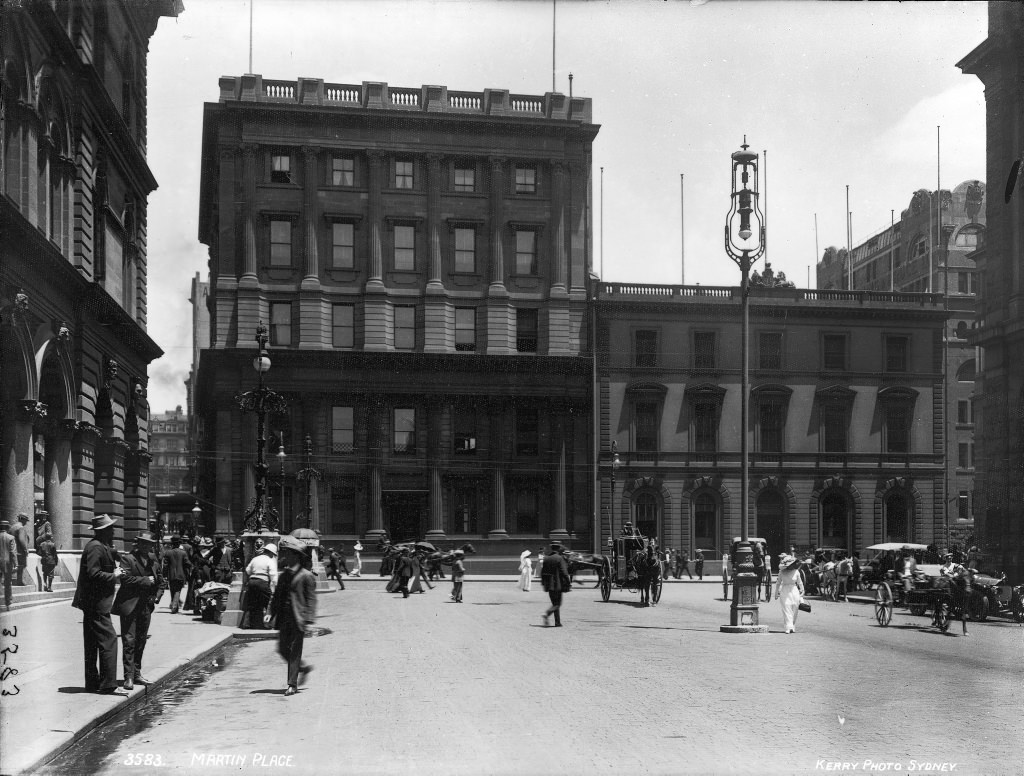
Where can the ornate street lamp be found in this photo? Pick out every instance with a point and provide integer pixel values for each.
(197, 515)
(308, 473)
(261, 517)
(744, 244)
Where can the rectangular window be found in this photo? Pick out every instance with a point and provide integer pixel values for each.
(405, 327)
(405, 430)
(646, 426)
(527, 431)
(963, 504)
(280, 168)
(527, 512)
(403, 174)
(343, 245)
(964, 413)
(897, 428)
(465, 328)
(526, 252)
(705, 427)
(464, 431)
(963, 282)
(280, 323)
(834, 351)
(114, 281)
(465, 250)
(896, 354)
(703, 350)
(465, 178)
(526, 330)
(343, 435)
(343, 171)
(964, 456)
(645, 348)
(405, 247)
(770, 426)
(343, 510)
(834, 427)
(280, 243)
(343, 328)
(769, 350)
(526, 180)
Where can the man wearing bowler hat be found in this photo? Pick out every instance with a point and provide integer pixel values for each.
(554, 576)
(177, 569)
(141, 586)
(98, 573)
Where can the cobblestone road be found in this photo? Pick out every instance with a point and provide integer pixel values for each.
(428, 686)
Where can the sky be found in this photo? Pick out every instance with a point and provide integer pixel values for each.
(836, 97)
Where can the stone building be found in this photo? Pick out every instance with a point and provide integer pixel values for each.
(170, 471)
(933, 248)
(999, 63)
(74, 351)
(421, 257)
(846, 415)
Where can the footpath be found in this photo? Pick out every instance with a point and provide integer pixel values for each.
(44, 707)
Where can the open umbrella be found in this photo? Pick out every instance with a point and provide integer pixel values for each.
(425, 546)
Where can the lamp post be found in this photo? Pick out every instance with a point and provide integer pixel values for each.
(744, 244)
(197, 515)
(308, 473)
(280, 478)
(261, 518)
(616, 463)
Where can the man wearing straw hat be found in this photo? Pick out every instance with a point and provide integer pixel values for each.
(294, 605)
(98, 573)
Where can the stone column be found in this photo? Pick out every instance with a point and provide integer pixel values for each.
(249, 199)
(375, 215)
(497, 214)
(497, 452)
(558, 212)
(375, 441)
(310, 182)
(58, 485)
(558, 530)
(438, 460)
(19, 461)
(434, 173)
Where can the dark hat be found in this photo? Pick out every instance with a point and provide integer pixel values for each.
(556, 546)
(293, 544)
(146, 536)
(102, 521)
(23, 517)
(5, 523)
(175, 539)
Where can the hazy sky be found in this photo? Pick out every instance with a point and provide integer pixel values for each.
(839, 94)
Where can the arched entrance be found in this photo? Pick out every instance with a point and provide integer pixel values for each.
(771, 522)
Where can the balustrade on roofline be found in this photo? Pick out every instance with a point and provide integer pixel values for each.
(808, 294)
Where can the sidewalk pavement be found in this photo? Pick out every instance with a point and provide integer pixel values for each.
(45, 707)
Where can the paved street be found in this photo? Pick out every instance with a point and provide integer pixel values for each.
(428, 686)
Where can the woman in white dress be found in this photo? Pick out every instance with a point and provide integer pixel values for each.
(525, 571)
(789, 588)
(356, 572)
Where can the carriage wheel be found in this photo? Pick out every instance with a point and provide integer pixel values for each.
(883, 604)
(1018, 609)
(978, 607)
(942, 615)
(606, 587)
(656, 590)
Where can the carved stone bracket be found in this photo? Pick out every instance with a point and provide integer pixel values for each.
(31, 410)
(109, 372)
(704, 481)
(143, 457)
(771, 481)
(86, 432)
(897, 482)
(63, 335)
(835, 481)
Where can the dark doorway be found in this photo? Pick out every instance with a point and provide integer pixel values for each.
(403, 515)
(771, 524)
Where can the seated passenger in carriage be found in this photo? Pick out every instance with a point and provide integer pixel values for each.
(628, 529)
(909, 568)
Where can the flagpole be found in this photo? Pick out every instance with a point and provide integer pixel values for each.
(682, 230)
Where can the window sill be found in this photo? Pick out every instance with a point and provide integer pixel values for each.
(281, 273)
(467, 278)
(404, 277)
(342, 275)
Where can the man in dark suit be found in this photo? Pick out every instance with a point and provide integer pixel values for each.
(405, 571)
(97, 575)
(8, 559)
(141, 586)
(294, 605)
(177, 569)
(554, 576)
(20, 533)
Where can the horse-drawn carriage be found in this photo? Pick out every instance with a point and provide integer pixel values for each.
(634, 565)
(927, 590)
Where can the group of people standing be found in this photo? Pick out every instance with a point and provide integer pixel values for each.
(15, 547)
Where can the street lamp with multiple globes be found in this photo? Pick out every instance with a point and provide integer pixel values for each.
(744, 244)
(261, 517)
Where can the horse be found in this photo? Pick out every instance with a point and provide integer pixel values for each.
(579, 561)
(648, 568)
(435, 560)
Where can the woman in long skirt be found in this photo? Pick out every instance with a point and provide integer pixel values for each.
(525, 571)
(789, 589)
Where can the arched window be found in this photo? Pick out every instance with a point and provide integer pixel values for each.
(645, 508)
(834, 520)
(969, 236)
(897, 522)
(705, 522)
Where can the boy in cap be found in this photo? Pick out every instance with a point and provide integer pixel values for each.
(141, 586)
(294, 605)
(97, 577)
(458, 573)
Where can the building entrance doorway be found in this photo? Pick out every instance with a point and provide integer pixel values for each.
(771, 525)
(403, 514)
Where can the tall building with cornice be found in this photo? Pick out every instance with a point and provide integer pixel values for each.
(421, 257)
(999, 63)
(74, 350)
